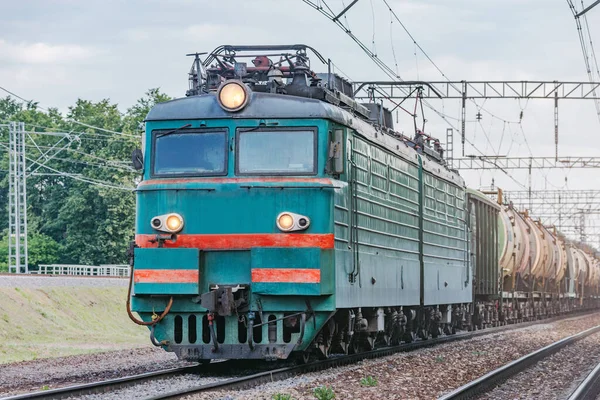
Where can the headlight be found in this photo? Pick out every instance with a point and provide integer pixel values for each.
(171, 223)
(287, 221)
(174, 222)
(233, 95)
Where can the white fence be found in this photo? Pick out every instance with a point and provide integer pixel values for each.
(84, 270)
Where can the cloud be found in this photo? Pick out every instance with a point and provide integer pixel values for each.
(44, 53)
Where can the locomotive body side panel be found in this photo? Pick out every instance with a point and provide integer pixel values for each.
(377, 250)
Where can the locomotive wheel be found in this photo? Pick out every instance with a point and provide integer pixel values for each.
(303, 357)
(354, 346)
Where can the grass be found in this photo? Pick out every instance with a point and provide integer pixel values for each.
(62, 321)
(324, 393)
(368, 381)
(282, 396)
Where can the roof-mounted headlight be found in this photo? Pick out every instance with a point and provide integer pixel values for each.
(233, 95)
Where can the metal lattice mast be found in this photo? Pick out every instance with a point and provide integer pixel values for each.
(17, 205)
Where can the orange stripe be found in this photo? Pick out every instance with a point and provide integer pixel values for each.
(290, 275)
(166, 276)
(242, 241)
(324, 181)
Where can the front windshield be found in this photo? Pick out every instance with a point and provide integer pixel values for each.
(190, 153)
(281, 152)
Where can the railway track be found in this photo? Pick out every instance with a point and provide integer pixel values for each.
(492, 379)
(269, 375)
(589, 388)
(107, 385)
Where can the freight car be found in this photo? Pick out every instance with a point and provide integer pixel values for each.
(279, 216)
(523, 269)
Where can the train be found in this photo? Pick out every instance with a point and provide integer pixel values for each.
(277, 217)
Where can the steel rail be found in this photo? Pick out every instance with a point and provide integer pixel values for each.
(107, 385)
(492, 379)
(589, 388)
(250, 381)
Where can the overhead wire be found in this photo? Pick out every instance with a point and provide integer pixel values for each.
(584, 49)
(416, 44)
(90, 163)
(69, 119)
(395, 75)
(77, 177)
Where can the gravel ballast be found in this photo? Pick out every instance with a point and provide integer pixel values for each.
(555, 377)
(421, 374)
(66, 371)
(151, 389)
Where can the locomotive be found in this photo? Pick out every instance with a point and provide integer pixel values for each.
(277, 216)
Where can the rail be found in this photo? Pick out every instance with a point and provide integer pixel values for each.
(85, 270)
(589, 388)
(104, 386)
(491, 379)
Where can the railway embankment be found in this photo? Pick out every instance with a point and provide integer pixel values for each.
(55, 316)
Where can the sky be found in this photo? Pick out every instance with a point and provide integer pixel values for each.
(56, 51)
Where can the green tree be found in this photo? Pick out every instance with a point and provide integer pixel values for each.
(41, 249)
(78, 209)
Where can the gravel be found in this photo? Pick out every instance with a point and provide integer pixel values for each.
(44, 281)
(65, 371)
(151, 389)
(422, 374)
(554, 377)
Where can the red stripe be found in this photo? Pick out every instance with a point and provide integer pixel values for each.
(242, 241)
(286, 275)
(166, 276)
(324, 181)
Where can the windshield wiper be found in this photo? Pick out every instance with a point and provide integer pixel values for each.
(173, 131)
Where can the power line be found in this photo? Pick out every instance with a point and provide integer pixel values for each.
(66, 118)
(584, 50)
(78, 132)
(392, 12)
(390, 72)
(77, 177)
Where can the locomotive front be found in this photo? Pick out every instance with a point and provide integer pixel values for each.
(233, 254)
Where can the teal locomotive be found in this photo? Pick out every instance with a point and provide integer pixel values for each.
(278, 216)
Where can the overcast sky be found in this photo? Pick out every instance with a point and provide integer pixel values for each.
(57, 51)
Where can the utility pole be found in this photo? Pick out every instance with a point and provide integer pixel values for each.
(17, 200)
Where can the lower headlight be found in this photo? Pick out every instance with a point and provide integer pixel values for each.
(174, 223)
(287, 222)
(171, 223)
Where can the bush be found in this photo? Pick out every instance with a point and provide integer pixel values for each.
(368, 381)
(282, 396)
(324, 393)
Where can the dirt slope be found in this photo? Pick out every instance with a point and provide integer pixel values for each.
(58, 321)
